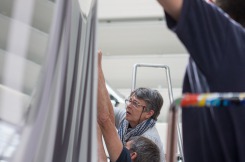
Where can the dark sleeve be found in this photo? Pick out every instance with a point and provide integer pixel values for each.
(124, 156)
(212, 39)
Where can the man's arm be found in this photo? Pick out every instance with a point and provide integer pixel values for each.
(105, 116)
(101, 151)
(112, 141)
(104, 102)
(172, 7)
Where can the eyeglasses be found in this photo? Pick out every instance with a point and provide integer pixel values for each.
(134, 103)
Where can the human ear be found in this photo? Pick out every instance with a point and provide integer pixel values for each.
(133, 155)
(149, 114)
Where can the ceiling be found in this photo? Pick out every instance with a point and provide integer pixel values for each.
(134, 31)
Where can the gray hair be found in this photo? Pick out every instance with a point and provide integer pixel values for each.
(147, 151)
(152, 98)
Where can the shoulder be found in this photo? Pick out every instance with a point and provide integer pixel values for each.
(124, 156)
(154, 136)
(152, 131)
(120, 114)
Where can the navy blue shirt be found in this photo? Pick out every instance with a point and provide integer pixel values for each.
(215, 42)
(124, 156)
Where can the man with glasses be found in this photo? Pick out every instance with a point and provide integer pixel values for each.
(140, 116)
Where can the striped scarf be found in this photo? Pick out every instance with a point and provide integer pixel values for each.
(125, 133)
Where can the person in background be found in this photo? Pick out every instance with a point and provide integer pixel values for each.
(140, 116)
(135, 149)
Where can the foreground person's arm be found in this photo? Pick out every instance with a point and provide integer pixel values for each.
(172, 7)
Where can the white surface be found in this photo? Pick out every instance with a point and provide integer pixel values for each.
(118, 70)
(21, 39)
(18, 73)
(123, 9)
(13, 105)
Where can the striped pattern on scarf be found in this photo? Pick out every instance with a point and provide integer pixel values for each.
(141, 128)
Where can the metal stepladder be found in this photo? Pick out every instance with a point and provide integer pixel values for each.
(170, 93)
